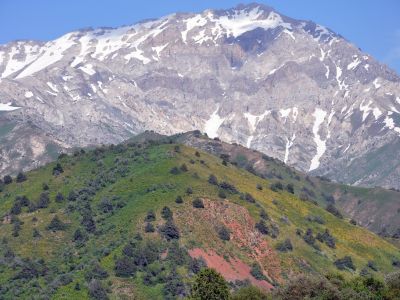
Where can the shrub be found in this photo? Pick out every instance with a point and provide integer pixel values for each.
(21, 177)
(223, 233)
(149, 227)
(221, 194)
(276, 186)
(95, 271)
(59, 197)
(72, 196)
(257, 272)
(249, 293)
(290, 188)
(308, 287)
(45, 186)
(166, 213)
(198, 203)
(197, 153)
(56, 224)
(309, 238)
(97, 291)
(264, 214)
(249, 198)
(345, 263)
(210, 285)
(333, 210)
(184, 168)
(105, 205)
(262, 227)
(285, 246)
(35, 233)
(179, 199)
(212, 179)
(353, 222)
(150, 217)
(124, 267)
(175, 171)
(259, 187)
(170, 231)
(177, 149)
(7, 179)
(44, 200)
(228, 187)
(189, 191)
(327, 238)
(58, 169)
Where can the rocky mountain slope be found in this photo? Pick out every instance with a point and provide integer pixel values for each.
(140, 219)
(292, 89)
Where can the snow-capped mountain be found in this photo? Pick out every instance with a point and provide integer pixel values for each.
(292, 89)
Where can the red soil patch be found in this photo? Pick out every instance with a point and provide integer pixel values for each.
(233, 270)
(201, 223)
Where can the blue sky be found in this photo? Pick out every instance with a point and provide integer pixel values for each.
(374, 26)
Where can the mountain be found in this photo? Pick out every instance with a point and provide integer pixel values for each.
(139, 219)
(292, 89)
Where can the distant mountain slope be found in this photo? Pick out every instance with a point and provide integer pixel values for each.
(139, 219)
(374, 208)
(292, 89)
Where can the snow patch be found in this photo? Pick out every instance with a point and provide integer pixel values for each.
(51, 53)
(213, 124)
(88, 69)
(8, 107)
(241, 21)
(377, 85)
(319, 116)
(353, 64)
(289, 144)
(52, 86)
(196, 21)
(28, 94)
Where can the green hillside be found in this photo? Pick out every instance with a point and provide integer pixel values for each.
(139, 220)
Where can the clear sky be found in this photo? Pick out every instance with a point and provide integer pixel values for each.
(372, 25)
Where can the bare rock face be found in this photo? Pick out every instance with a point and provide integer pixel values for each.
(292, 89)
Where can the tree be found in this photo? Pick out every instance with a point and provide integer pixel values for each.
(290, 188)
(249, 293)
(56, 224)
(210, 285)
(184, 168)
(257, 272)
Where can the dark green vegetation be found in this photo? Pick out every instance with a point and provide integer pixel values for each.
(209, 285)
(121, 221)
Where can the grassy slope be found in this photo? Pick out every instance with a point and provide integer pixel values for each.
(374, 208)
(149, 168)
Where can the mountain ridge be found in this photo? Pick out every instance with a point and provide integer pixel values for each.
(289, 88)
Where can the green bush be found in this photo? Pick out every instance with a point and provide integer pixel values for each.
(209, 285)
